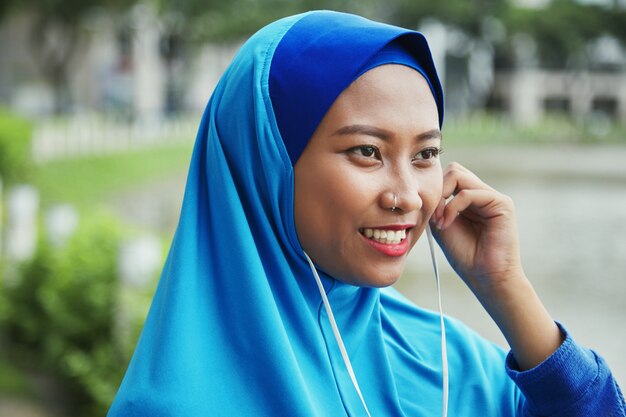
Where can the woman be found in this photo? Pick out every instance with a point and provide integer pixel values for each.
(315, 171)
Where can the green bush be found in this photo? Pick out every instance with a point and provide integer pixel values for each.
(15, 143)
(61, 314)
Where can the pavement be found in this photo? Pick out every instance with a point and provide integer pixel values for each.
(11, 407)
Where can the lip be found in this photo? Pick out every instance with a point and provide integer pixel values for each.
(393, 250)
(391, 227)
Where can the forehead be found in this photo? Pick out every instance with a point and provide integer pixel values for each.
(389, 94)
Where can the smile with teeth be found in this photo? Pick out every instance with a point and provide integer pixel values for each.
(389, 237)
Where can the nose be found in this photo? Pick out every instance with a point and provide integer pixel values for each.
(402, 190)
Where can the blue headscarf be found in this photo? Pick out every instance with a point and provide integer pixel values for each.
(237, 326)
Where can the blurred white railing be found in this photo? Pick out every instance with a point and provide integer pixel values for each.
(77, 137)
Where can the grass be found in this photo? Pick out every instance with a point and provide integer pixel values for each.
(12, 380)
(87, 182)
(482, 128)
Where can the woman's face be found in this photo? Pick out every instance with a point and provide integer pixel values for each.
(379, 138)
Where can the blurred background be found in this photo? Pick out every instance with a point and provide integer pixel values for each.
(99, 104)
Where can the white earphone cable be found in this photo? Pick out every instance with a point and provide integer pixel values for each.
(333, 324)
(444, 349)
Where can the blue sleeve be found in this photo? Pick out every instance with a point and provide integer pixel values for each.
(573, 382)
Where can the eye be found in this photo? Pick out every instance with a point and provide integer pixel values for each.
(428, 153)
(367, 151)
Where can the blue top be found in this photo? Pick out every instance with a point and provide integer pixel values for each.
(237, 326)
(572, 382)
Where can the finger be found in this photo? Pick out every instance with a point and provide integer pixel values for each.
(438, 212)
(476, 205)
(456, 178)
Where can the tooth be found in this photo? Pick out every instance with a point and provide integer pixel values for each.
(376, 234)
(369, 233)
(383, 234)
(403, 234)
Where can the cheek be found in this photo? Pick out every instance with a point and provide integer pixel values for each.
(343, 199)
(327, 201)
(348, 190)
(431, 190)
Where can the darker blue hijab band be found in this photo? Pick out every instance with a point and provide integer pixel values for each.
(311, 67)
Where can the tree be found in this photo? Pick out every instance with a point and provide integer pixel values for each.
(234, 19)
(466, 15)
(563, 29)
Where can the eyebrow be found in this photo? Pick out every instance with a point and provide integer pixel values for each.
(382, 133)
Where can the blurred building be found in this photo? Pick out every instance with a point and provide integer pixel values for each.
(526, 91)
(598, 90)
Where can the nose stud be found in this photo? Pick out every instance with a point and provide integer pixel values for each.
(395, 201)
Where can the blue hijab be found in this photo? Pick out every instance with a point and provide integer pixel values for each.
(237, 326)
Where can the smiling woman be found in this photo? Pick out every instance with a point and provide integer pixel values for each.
(315, 170)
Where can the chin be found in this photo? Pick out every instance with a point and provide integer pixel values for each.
(374, 274)
(386, 282)
(373, 281)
